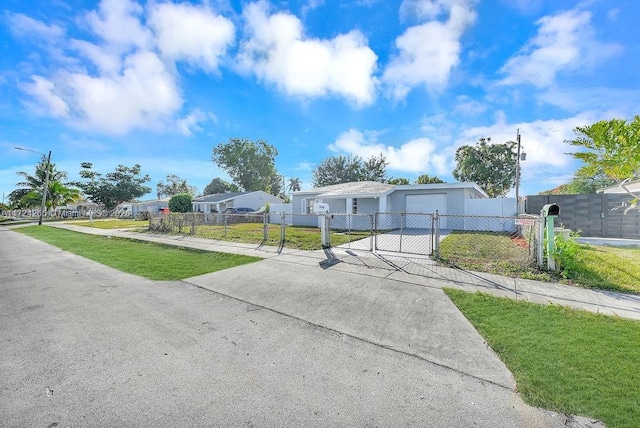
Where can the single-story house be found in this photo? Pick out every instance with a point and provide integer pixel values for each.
(153, 206)
(632, 186)
(368, 197)
(219, 202)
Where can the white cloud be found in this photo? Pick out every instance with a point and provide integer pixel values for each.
(419, 156)
(191, 123)
(428, 52)
(278, 52)
(191, 33)
(24, 26)
(117, 22)
(142, 96)
(565, 42)
(44, 91)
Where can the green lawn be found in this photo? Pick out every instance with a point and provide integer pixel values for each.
(608, 268)
(150, 260)
(298, 237)
(112, 223)
(489, 252)
(565, 360)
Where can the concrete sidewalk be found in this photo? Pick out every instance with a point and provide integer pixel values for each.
(308, 338)
(406, 269)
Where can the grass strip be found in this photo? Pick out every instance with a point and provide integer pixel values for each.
(565, 360)
(113, 224)
(150, 260)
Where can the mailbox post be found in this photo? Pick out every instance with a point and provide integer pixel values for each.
(322, 210)
(550, 212)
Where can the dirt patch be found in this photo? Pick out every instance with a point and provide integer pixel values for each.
(520, 241)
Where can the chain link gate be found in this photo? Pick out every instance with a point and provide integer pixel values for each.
(401, 232)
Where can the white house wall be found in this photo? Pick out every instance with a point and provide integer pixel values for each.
(255, 200)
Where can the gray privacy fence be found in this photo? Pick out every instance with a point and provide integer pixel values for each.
(408, 233)
(598, 215)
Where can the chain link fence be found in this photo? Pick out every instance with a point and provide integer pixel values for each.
(468, 242)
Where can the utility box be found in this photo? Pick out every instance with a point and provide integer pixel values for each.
(550, 210)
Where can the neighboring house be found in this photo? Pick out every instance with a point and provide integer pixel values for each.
(219, 202)
(152, 206)
(632, 186)
(368, 197)
(79, 209)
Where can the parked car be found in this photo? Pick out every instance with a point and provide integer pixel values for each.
(239, 211)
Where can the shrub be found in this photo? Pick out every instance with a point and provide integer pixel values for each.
(180, 203)
(567, 256)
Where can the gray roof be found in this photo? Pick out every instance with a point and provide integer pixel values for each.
(219, 197)
(356, 188)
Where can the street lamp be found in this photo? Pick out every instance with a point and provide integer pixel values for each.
(46, 181)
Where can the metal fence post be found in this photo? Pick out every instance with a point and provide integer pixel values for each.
(265, 226)
(283, 228)
(371, 220)
(436, 222)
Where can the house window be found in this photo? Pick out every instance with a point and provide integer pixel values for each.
(307, 206)
(354, 206)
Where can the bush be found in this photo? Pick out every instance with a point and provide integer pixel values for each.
(567, 256)
(180, 203)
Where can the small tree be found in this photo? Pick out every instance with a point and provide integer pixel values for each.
(175, 186)
(427, 179)
(250, 164)
(345, 169)
(613, 150)
(218, 185)
(491, 166)
(181, 203)
(398, 181)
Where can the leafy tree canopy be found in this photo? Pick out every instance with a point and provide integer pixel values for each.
(581, 184)
(491, 166)
(613, 151)
(398, 181)
(181, 203)
(218, 185)
(250, 164)
(295, 185)
(175, 186)
(29, 192)
(427, 179)
(124, 184)
(345, 169)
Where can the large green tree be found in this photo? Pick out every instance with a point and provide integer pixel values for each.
(122, 185)
(345, 169)
(174, 186)
(218, 185)
(250, 164)
(491, 166)
(613, 150)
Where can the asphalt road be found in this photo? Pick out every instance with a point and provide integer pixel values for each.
(85, 345)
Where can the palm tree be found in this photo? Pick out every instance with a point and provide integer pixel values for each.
(294, 185)
(57, 192)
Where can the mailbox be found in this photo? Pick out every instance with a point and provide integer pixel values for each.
(320, 208)
(550, 210)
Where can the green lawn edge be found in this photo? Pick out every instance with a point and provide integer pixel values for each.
(566, 360)
(154, 261)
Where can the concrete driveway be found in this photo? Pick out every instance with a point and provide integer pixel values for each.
(269, 344)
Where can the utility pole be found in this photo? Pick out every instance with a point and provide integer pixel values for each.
(45, 190)
(518, 173)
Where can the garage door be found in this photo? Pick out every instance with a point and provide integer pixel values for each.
(424, 204)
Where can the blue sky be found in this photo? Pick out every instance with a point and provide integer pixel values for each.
(160, 83)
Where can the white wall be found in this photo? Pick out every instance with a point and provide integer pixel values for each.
(255, 200)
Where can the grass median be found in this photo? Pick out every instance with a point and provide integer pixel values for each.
(565, 360)
(154, 261)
